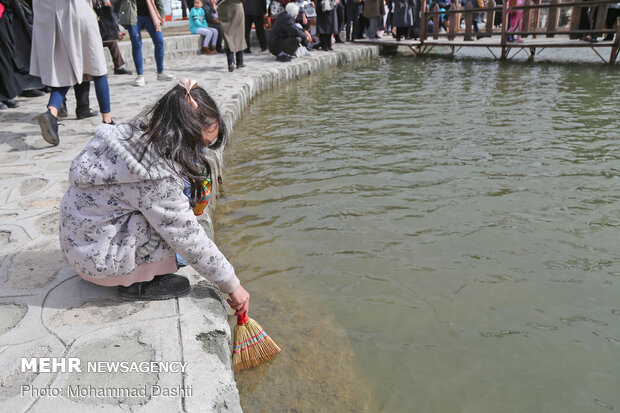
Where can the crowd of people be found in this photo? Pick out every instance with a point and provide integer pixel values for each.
(46, 48)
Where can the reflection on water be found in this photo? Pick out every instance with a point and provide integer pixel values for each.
(432, 235)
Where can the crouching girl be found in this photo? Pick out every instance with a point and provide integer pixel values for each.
(125, 214)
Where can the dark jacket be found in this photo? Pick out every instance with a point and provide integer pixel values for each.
(326, 20)
(285, 28)
(254, 7)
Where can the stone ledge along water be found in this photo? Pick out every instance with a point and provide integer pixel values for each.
(47, 311)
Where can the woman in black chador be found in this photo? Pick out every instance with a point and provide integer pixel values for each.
(326, 22)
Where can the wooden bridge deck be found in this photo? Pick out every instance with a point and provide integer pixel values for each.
(550, 35)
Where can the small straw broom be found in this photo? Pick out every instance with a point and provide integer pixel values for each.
(252, 344)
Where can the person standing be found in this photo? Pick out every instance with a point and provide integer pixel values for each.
(326, 22)
(66, 47)
(135, 15)
(402, 17)
(350, 18)
(255, 13)
(373, 11)
(232, 19)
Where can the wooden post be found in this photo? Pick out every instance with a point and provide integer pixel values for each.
(536, 21)
(552, 18)
(490, 18)
(525, 27)
(468, 22)
(575, 17)
(436, 19)
(600, 18)
(453, 21)
(505, 48)
(423, 22)
(616, 46)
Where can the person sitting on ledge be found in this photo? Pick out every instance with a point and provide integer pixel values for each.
(285, 37)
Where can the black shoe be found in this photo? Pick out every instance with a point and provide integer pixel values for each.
(240, 65)
(49, 127)
(247, 51)
(109, 123)
(32, 93)
(122, 71)
(3, 106)
(62, 112)
(162, 287)
(231, 67)
(263, 49)
(284, 57)
(10, 103)
(91, 113)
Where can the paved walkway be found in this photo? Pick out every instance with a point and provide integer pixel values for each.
(46, 310)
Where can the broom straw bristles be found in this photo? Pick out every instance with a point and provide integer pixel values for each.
(253, 346)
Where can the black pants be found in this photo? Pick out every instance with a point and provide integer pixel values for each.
(259, 23)
(288, 46)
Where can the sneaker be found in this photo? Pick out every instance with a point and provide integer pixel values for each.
(164, 76)
(49, 127)
(139, 81)
(162, 287)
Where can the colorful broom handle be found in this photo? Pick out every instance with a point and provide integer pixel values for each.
(242, 319)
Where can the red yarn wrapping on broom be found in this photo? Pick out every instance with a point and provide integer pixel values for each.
(242, 319)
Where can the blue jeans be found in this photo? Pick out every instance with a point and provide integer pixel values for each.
(135, 34)
(101, 89)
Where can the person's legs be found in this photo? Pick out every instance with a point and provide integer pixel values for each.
(213, 36)
(82, 92)
(117, 59)
(259, 23)
(48, 121)
(239, 57)
(230, 57)
(248, 29)
(158, 40)
(290, 45)
(207, 33)
(103, 96)
(56, 97)
(136, 46)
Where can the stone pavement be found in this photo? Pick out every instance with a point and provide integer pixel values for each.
(46, 310)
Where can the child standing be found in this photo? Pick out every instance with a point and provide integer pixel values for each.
(515, 20)
(125, 214)
(198, 25)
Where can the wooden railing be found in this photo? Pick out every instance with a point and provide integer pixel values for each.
(531, 25)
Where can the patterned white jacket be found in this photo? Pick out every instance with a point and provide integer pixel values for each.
(122, 210)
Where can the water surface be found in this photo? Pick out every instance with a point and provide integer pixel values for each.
(432, 235)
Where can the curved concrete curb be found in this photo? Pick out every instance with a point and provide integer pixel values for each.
(46, 310)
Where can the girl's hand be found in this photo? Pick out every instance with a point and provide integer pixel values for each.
(239, 300)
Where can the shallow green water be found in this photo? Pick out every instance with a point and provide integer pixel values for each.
(432, 236)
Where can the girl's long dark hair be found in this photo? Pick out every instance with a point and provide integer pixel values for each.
(173, 129)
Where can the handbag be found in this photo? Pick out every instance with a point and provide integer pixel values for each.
(108, 27)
